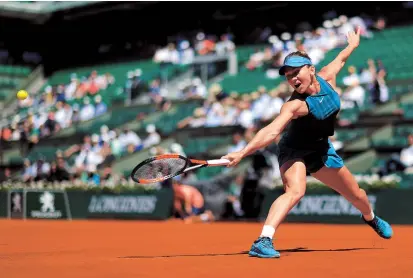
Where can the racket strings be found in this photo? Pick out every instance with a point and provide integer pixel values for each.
(158, 169)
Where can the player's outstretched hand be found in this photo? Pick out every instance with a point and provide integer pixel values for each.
(353, 38)
(234, 158)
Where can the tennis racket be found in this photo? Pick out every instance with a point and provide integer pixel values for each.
(166, 166)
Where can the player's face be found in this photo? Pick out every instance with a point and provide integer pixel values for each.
(300, 78)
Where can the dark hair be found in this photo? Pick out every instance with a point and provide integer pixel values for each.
(298, 53)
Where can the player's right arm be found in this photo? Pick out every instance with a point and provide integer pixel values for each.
(290, 110)
(330, 71)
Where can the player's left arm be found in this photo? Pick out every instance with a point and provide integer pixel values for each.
(330, 71)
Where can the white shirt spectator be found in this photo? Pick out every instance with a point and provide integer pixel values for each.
(129, 138)
(87, 112)
(94, 158)
(406, 156)
(260, 105)
(214, 115)
(101, 82)
(200, 88)
(366, 77)
(274, 108)
(316, 54)
(239, 146)
(71, 89)
(246, 118)
(230, 116)
(81, 158)
(167, 56)
(187, 56)
(153, 138)
(356, 93)
(44, 169)
(106, 134)
(40, 119)
(62, 116)
(223, 47)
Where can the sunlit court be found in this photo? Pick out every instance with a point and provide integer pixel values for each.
(156, 249)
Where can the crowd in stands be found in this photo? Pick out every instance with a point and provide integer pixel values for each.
(59, 107)
(399, 162)
(221, 108)
(185, 50)
(90, 162)
(363, 85)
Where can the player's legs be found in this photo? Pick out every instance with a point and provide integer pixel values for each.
(293, 174)
(342, 181)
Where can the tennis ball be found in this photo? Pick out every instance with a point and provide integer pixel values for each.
(22, 94)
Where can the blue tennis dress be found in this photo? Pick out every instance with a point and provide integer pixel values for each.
(306, 137)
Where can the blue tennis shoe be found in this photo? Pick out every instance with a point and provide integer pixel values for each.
(263, 248)
(381, 227)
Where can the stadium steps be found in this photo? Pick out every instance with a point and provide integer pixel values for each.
(363, 143)
(150, 71)
(362, 162)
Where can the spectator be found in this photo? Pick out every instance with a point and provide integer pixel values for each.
(197, 120)
(5, 175)
(153, 137)
(50, 126)
(186, 53)
(28, 171)
(88, 111)
(167, 55)
(233, 205)
(106, 135)
(101, 107)
(406, 154)
(354, 91)
(129, 140)
(61, 117)
(238, 143)
(71, 87)
(116, 145)
(224, 46)
(41, 169)
(246, 117)
(58, 171)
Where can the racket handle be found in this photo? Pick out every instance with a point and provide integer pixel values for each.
(217, 162)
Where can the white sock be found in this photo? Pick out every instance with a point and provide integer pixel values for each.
(267, 231)
(369, 216)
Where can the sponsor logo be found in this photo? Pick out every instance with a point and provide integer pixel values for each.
(122, 204)
(47, 209)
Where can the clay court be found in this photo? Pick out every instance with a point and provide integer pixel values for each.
(173, 249)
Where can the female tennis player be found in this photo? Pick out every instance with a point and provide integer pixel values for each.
(310, 112)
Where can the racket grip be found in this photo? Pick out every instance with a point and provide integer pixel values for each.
(217, 162)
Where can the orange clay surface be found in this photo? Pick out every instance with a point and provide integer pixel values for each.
(75, 249)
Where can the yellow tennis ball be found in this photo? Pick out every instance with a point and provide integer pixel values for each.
(22, 94)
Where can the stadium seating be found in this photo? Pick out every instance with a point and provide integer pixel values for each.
(11, 77)
(394, 52)
(150, 71)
